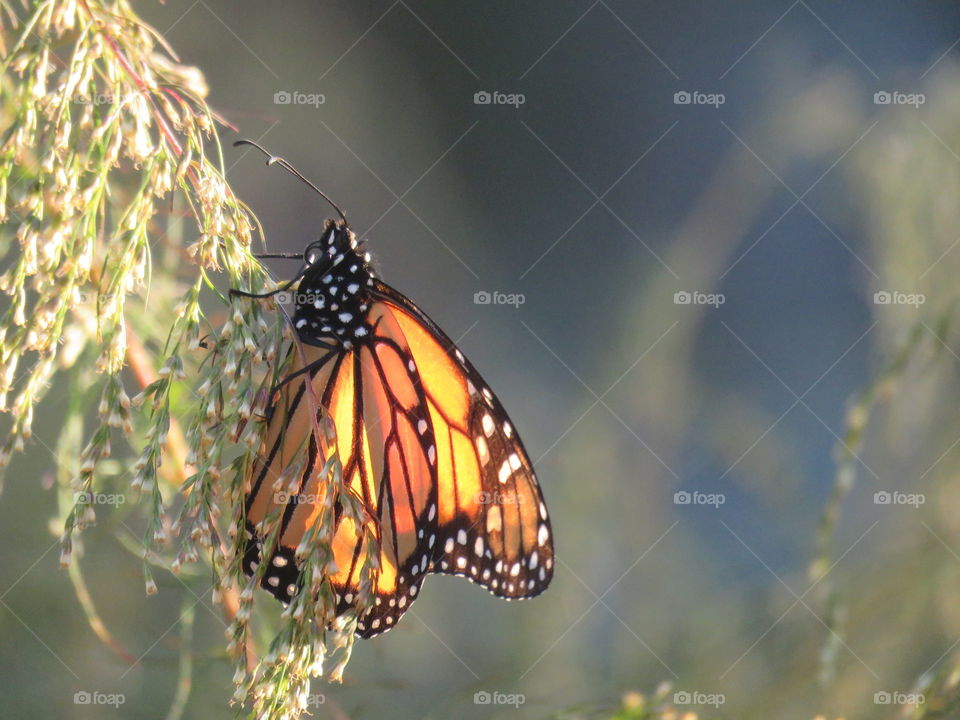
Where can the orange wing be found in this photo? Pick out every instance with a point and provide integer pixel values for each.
(384, 438)
(429, 449)
(493, 523)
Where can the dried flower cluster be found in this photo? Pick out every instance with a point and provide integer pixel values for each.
(102, 128)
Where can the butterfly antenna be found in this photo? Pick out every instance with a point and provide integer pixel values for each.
(276, 160)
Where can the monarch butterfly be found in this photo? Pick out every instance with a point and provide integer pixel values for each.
(420, 436)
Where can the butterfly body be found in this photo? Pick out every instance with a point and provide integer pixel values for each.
(421, 440)
(334, 294)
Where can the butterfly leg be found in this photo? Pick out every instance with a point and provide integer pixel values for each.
(315, 365)
(282, 288)
(259, 296)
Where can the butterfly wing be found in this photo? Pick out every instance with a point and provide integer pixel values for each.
(383, 440)
(397, 461)
(493, 523)
(427, 447)
(269, 488)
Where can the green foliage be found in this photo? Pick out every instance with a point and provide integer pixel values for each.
(102, 128)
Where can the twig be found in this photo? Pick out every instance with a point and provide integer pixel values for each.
(139, 360)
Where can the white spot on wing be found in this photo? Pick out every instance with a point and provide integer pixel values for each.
(494, 521)
(487, 423)
(483, 453)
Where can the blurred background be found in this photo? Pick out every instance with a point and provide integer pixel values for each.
(703, 229)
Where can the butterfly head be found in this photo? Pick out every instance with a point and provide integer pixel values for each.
(333, 296)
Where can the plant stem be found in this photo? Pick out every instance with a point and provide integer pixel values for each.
(139, 361)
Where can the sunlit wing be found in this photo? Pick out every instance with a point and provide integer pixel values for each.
(384, 439)
(493, 522)
(427, 447)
